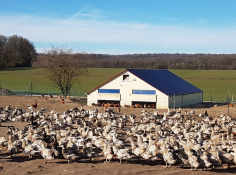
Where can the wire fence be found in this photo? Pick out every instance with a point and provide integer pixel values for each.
(39, 93)
(215, 97)
(36, 89)
(32, 89)
(73, 93)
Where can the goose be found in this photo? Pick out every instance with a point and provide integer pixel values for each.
(132, 118)
(204, 159)
(234, 154)
(144, 153)
(12, 146)
(192, 157)
(79, 142)
(117, 142)
(213, 157)
(193, 161)
(46, 153)
(8, 107)
(164, 117)
(200, 115)
(55, 152)
(71, 144)
(69, 154)
(121, 154)
(226, 158)
(91, 151)
(155, 113)
(33, 149)
(84, 132)
(108, 136)
(170, 113)
(134, 149)
(179, 111)
(192, 112)
(167, 157)
(30, 108)
(14, 112)
(3, 142)
(114, 123)
(182, 157)
(107, 152)
(152, 148)
(65, 133)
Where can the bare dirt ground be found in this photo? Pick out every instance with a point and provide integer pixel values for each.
(22, 165)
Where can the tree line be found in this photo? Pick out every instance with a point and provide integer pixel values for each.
(167, 61)
(16, 51)
(161, 61)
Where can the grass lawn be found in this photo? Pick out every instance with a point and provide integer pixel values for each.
(214, 83)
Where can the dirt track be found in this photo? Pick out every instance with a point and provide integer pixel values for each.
(21, 164)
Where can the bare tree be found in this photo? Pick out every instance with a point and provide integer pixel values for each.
(62, 66)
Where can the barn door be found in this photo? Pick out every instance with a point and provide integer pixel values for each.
(125, 93)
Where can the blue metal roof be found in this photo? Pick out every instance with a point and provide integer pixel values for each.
(165, 81)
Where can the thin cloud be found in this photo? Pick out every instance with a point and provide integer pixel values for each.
(89, 13)
(97, 31)
(92, 15)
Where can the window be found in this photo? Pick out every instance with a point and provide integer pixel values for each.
(148, 92)
(125, 77)
(111, 91)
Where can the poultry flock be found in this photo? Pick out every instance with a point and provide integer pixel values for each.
(174, 138)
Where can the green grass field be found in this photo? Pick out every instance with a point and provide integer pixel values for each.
(214, 83)
(18, 80)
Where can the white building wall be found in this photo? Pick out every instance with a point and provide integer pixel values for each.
(143, 97)
(162, 101)
(92, 98)
(95, 96)
(126, 97)
(107, 96)
(114, 84)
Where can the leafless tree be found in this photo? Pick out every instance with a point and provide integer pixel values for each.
(62, 66)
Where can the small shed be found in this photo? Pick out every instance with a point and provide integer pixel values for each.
(145, 88)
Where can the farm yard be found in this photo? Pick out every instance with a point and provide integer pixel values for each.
(215, 85)
(21, 163)
(107, 87)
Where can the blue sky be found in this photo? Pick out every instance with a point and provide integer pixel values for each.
(124, 26)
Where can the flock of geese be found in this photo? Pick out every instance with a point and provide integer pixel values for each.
(175, 137)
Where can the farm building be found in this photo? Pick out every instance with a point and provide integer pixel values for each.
(145, 88)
